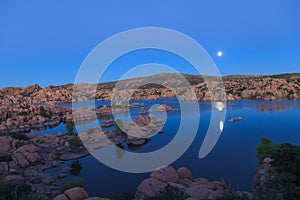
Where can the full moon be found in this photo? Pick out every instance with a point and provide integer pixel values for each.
(220, 53)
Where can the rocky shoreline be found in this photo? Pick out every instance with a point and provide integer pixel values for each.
(33, 107)
(24, 158)
(168, 184)
(24, 161)
(272, 87)
(159, 180)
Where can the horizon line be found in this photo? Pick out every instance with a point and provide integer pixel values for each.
(112, 81)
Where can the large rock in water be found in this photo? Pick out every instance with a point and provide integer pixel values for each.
(76, 194)
(73, 156)
(165, 174)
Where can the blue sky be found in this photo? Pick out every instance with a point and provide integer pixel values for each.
(45, 42)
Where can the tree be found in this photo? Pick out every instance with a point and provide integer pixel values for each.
(119, 127)
(70, 126)
(266, 149)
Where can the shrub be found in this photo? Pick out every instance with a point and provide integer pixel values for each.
(20, 192)
(75, 144)
(70, 126)
(284, 182)
(265, 150)
(44, 113)
(287, 163)
(74, 183)
(169, 193)
(119, 127)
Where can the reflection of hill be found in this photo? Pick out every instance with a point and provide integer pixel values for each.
(273, 107)
(134, 147)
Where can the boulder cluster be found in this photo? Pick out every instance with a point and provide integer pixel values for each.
(182, 179)
(134, 134)
(24, 161)
(76, 194)
(19, 114)
(33, 107)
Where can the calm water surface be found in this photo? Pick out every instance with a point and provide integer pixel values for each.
(232, 159)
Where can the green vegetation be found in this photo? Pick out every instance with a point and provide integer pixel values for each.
(270, 93)
(230, 194)
(266, 150)
(284, 182)
(170, 193)
(120, 151)
(44, 113)
(119, 127)
(70, 126)
(75, 144)
(287, 162)
(19, 192)
(74, 183)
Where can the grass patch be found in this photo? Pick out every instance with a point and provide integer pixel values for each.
(169, 193)
(19, 192)
(74, 183)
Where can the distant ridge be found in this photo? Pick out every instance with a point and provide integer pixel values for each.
(192, 78)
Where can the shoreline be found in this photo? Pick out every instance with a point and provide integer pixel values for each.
(84, 115)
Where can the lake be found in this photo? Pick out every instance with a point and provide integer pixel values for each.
(233, 159)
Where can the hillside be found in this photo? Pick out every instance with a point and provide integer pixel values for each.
(263, 87)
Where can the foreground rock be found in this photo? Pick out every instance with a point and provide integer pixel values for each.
(182, 179)
(24, 161)
(77, 194)
(274, 181)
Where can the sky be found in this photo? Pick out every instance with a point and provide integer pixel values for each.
(45, 42)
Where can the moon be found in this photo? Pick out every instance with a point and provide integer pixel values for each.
(220, 53)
